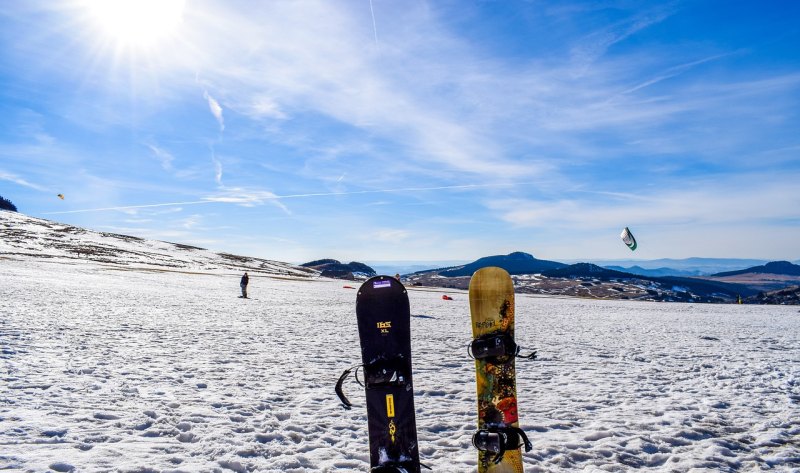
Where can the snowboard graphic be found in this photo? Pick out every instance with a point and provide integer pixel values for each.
(384, 327)
(491, 302)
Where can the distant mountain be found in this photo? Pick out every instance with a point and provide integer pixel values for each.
(25, 237)
(706, 287)
(699, 266)
(407, 267)
(670, 284)
(657, 272)
(534, 276)
(768, 277)
(586, 270)
(775, 267)
(331, 268)
(515, 263)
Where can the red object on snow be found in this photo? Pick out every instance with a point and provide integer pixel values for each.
(447, 298)
(348, 287)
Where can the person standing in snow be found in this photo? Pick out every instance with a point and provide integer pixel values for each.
(243, 284)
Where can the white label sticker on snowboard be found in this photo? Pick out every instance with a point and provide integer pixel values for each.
(381, 284)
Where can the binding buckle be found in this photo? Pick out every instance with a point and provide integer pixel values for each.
(496, 347)
(500, 439)
(386, 373)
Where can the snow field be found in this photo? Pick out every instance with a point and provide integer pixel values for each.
(141, 371)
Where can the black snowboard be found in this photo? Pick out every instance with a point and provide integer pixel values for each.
(384, 327)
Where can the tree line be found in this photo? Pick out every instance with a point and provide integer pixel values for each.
(6, 204)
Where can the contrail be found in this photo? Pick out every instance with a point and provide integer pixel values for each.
(374, 26)
(234, 199)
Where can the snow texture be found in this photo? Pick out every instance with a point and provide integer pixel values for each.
(124, 369)
(129, 355)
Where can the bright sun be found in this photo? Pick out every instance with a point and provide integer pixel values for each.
(136, 23)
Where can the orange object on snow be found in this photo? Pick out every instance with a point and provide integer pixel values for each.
(348, 287)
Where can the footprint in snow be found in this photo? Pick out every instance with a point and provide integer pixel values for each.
(61, 467)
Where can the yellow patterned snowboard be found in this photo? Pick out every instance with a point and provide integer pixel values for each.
(491, 303)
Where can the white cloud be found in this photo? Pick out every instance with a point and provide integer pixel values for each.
(190, 222)
(294, 65)
(389, 235)
(597, 43)
(215, 109)
(164, 156)
(5, 176)
(727, 201)
(248, 198)
(217, 169)
(261, 107)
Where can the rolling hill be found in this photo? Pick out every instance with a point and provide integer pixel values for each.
(586, 280)
(331, 268)
(769, 277)
(515, 263)
(22, 236)
(775, 267)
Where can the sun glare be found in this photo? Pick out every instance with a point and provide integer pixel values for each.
(136, 23)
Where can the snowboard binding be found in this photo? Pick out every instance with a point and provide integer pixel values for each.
(385, 373)
(496, 348)
(499, 439)
(379, 373)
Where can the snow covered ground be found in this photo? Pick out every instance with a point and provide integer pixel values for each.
(107, 368)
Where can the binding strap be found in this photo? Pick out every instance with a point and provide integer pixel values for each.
(499, 439)
(339, 392)
(496, 346)
(379, 373)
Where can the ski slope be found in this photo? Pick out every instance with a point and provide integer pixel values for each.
(113, 368)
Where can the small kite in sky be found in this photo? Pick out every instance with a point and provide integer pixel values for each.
(628, 238)
(61, 196)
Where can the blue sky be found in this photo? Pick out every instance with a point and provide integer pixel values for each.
(414, 130)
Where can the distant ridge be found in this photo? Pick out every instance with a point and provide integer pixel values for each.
(31, 238)
(586, 270)
(331, 268)
(775, 267)
(655, 272)
(696, 286)
(698, 266)
(515, 263)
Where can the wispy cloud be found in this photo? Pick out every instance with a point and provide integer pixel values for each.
(163, 156)
(389, 235)
(190, 222)
(606, 112)
(215, 109)
(5, 176)
(597, 43)
(433, 102)
(217, 169)
(260, 107)
(249, 198)
(722, 201)
(254, 197)
(293, 72)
